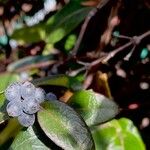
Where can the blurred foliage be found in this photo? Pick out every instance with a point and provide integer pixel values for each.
(55, 28)
(117, 134)
(102, 90)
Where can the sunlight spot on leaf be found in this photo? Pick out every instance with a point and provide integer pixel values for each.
(70, 42)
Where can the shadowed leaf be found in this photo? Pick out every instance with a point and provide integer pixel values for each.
(29, 62)
(28, 140)
(59, 80)
(64, 126)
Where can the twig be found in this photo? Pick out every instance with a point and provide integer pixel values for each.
(75, 72)
(83, 29)
(7, 47)
(112, 22)
(123, 37)
(141, 37)
(82, 63)
(134, 41)
(88, 80)
(85, 24)
(114, 52)
(127, 57)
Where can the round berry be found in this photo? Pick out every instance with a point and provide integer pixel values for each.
(26, 120)
(27, 90)
(13, 91)
(30, 105)
(14, 108)
(51, 96)
(40, 95)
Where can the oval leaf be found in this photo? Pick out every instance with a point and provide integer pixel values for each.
(59, 80)
(118, 134)
(28, 140)
(64, 126)
(65, 21)
(93, 107)
(29, 62)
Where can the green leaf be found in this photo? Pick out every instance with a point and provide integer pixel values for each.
(5, 80)
(29, 61)
(70, 42)
(118, 135)
(9, 132)
(64, 126)
(93, 107)
(65, 21)
(28, 140)
(30, 34)
(58, 26)
(59, 80)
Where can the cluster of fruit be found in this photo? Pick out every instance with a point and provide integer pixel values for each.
(24, 101)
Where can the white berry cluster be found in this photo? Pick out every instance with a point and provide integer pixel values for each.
(24, 101)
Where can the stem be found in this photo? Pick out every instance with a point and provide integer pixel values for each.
(7, 47)
(85, 24)
(114, 52)
(83, 29)
(134, 41)
(123, 37)
(144, 35)
(75, 72)
(12, 128)
(129, 54)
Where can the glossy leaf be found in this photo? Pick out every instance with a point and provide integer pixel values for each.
(70, 42)
(28, 62)
(28, 140)
(64, 126)
(56, 27)
(5, 80)
(93, 107)
(65, 21)
(35, 33)
(118, 135)
(59, 80)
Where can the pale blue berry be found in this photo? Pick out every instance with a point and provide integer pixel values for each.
(26, 120)
(27, 90)
(30, 105)
(14, 108)
(51, 96)
(12, 92)
(25, 101)
(40, 95)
